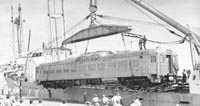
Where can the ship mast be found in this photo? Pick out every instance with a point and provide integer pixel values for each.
(54, 17)
(50, 26)
(19, 23)
(13, 34)
(63, 17)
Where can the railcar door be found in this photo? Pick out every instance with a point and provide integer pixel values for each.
(134, 65)
(169, 63)
(37, 73)
(163, 64)
(153, 64)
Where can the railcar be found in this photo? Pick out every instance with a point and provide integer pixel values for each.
(128, 68)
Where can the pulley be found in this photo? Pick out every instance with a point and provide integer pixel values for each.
(93, 6)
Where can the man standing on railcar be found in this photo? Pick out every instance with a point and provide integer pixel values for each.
(140, 43)
(144, 40)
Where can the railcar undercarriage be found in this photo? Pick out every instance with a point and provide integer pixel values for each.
(134, 83)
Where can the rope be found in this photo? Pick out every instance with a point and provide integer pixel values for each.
(171, 31)
(123, 41)
(172, 42)
(86, 47)
(81, 21)
(128, 20)
(139, 22)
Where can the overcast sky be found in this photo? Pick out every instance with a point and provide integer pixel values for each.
(35, 14)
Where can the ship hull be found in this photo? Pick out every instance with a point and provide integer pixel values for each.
(147, 98)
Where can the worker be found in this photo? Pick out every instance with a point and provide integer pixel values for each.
(184, 76)
(40, 103)
(140, 43)
(7, 101)
(133, 103)
(188, 73)
(144, 39)
(116, 99)
(21, 102)
(31, 103)
(16, 102)
(1, 102)
(118, 103)
(178, 105)
(105, 101)
(96, 100)
(137, 101)
(49, 92)
(88, 103)
(85, 97)
(63, 103)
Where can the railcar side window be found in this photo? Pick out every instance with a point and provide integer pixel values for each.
(53, 71)
(153, 59)
(101, 66)
(91, 67)
(82, 68)
(134, 63)
(111, 65)
(162, 58)
(122, 64)
(40, 71)
(58, 71)
(37, 71)
(73, 68)
(44, 71)
(65, 70)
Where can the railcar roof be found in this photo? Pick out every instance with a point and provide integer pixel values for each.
(108, 55)
(69, 60)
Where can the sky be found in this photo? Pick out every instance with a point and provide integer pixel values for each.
(34, 12)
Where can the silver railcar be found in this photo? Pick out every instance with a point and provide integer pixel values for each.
(130, 68)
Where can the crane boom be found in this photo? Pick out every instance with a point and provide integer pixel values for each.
(192, 36)
(168, 20)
